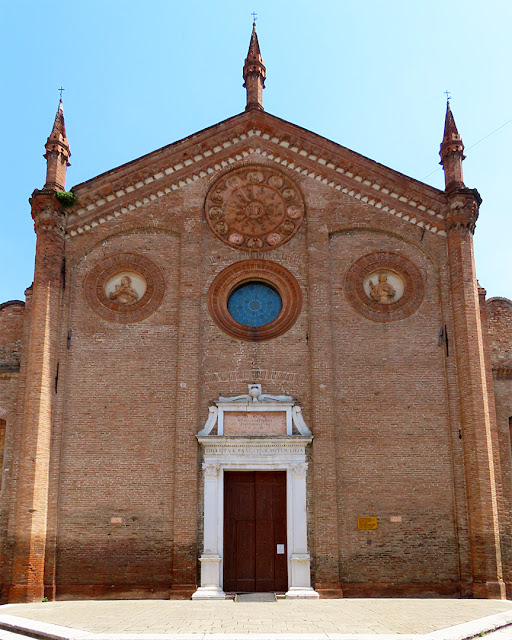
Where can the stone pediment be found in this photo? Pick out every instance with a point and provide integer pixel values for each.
(255, 413)
(254, 137)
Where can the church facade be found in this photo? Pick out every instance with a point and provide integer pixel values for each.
(255, 360)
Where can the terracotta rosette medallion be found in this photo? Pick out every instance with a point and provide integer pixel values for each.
(396, 267)
(255, 208)
(253, 271)
(131, 270)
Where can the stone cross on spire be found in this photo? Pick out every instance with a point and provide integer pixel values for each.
(254, 73)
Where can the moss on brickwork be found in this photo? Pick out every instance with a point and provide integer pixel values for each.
(66, 198)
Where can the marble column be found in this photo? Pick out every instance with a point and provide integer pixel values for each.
(211, 561)
(299, 579)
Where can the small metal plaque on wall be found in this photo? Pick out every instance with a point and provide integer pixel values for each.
(367, 523)
(280, 549)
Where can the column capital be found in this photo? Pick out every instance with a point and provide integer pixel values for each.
(463, 207)
(47, 213)
(300, 469)
(211, 469)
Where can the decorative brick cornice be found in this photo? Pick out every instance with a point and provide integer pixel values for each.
(502, 371)
(349, 175)
(47, 213)
(12, 303)
(499, 299)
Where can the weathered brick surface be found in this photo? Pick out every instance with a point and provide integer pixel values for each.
(403, 430)
(499, 312)
(29, 521)
(393, 429)
(11, 330)
(118, 434)
(500, 333)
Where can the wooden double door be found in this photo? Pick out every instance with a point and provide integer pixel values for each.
(255, 531)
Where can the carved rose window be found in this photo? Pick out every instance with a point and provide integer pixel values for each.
(254, 304)
(255, 208)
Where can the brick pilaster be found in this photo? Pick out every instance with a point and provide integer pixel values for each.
(185, 556)
(325, 500)
(30, 517)
(501, 449)
(478, 432)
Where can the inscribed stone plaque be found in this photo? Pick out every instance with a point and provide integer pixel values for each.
(367, 523)
(254, 423)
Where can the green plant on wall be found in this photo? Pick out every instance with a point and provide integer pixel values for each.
(66, 198)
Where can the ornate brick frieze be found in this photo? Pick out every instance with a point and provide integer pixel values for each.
(325, 165)
(254, 208)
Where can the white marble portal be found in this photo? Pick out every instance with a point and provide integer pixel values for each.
(254, 453)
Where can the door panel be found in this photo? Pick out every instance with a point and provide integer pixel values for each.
(246, 556)
(254, 524)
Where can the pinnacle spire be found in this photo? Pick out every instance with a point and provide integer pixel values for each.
(450, 128)
(254, 45)
(57, 153)
(254, 73)
(451, 152)
(59, 128)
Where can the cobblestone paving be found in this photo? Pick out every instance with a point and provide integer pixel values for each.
(361, 615)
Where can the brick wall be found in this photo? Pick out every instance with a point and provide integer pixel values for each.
(500, 337)
(115, 490)
(393, 431)
(11, 328)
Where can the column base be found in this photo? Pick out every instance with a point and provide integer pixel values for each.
(209, 593)
(495, 590)
(182, 591)
(508, 588)
(21, 593)
(302, 592)
(327, 590)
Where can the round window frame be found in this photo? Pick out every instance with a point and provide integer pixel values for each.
(414, 286)
(255, 270)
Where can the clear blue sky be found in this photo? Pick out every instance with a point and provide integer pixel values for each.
(369, 75)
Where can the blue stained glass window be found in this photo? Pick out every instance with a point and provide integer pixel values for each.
(254, 304)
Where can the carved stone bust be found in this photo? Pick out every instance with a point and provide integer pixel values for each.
(124, 293)
(382, 291)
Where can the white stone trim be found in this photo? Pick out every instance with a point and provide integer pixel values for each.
(255, 400)
(263, 453)
(352, 192)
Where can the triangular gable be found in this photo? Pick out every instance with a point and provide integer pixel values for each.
(261, 134)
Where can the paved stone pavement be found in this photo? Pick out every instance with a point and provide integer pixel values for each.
(344, 616)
